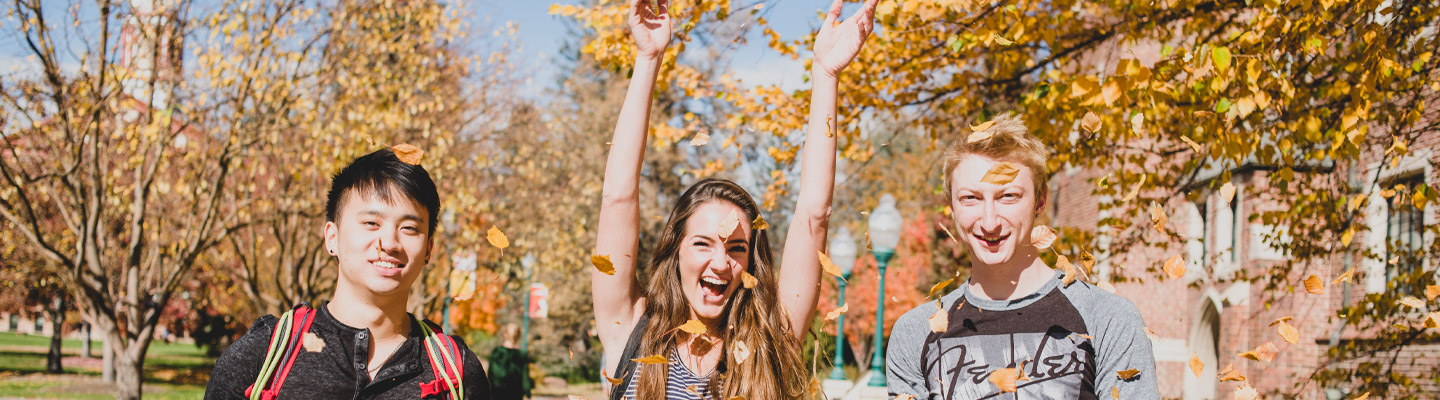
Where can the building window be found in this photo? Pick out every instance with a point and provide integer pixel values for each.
(1404, 229)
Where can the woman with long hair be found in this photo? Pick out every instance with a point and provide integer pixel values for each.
(711, 268)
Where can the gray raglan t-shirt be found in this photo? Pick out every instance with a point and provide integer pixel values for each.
(1071, 341)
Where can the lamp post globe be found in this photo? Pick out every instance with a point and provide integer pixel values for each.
(885, 223)
(842, 253)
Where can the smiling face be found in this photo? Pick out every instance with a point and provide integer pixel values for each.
(382, 246)
(710, 264)
(994, 221)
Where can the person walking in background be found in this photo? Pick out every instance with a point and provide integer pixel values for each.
(509, 367)
(718, 318)
(1016, 321)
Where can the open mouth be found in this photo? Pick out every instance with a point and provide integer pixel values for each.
(387, 268)
(992, 241)
(713, 288)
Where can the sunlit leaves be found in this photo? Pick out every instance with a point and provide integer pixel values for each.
(1288, 332)
(602, 263)
(828, 266)
(1001, 174)
(1412, 302)
(1220, 57)
(497, 238)
(1090, 122)
(836, 313)
(1432, 291)
(1314, 285)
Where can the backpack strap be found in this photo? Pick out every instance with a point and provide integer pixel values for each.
(446, 361)
(625, 371)
(285, 344)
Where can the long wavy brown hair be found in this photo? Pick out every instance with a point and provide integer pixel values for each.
(754, 316)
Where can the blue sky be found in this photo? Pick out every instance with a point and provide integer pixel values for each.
(541, 35)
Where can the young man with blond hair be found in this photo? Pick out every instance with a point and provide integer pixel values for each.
(1016, 315)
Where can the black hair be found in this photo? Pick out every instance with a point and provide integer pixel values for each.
(375, 174)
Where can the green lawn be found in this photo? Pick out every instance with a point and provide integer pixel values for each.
(172, 371)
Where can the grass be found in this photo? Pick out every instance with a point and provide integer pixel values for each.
(172, 371)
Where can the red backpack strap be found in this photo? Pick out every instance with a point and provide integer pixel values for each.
(446, 361)
(284, 348)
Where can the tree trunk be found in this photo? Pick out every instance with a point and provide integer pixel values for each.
(129, 365)
(85, 345)
(52, 360)
(107, 360)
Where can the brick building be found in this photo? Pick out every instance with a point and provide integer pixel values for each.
(1214, 316)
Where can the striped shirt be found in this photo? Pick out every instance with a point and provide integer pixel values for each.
(681, 383)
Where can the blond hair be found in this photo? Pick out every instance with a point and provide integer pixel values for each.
(1008, 140)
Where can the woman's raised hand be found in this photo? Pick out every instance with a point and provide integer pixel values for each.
(650, 27)
(838, 43)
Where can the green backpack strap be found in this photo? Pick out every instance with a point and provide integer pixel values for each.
(445, 360)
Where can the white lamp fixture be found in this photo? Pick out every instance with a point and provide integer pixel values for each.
(885, 224)
(843, 250)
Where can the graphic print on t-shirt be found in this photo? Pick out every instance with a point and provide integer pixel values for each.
(1047, 338)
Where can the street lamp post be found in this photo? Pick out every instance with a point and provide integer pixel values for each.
(884, 236)
(528, 262)
(842, 252)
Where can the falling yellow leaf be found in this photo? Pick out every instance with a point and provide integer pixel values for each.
(1363, 396)
(940, 321)
(692, 390)
(1064, 265)
(693, 327)
(1001, 40)
(1042, 236)
(1115, 392)
(1004, 379)
(603, 264)
(759, 223)
(1412, 302)
(1157, 217)
(1193, 146)
(749, 281)
(1431, 291)
(1001, 174)
(833, 314)
(408, 153)
(1432, 320)
(1348, 236)
(1230, 374)
(1266, 353)
(497, 238)
(939, 288)
(613, 381)
(655, 359)
(828, 266)
(1195, 364)
(1136, 190)
(1087, 260)
(1345, 277)
(728, 224)
(1288, 332)
(1175, 267)
(947, 231)
(1245, 392)
(462, 285)
(1227, 192)
(700, 139)
(1090, 122)
(1127, 374)
(1314, 285)
(741, 352)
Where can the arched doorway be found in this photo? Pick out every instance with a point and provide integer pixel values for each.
(1205, 343)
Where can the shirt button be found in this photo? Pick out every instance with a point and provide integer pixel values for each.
(360, 335)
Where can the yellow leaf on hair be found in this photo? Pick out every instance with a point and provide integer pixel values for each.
(603, 264)
(978, 136)
(497, 238)
(1090, 122)
(828, 266)
(408, 153)
(749, 281)
(1175, 267)
(693, 327)
(1042, 236)
(759, 223)
(1004, 379)
(833, 314)
(741, 352)
(655, 359)
(1001, 174)
(984, 126)
(940, 321)
(1314, 285)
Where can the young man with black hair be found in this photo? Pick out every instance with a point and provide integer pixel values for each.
(380, 215)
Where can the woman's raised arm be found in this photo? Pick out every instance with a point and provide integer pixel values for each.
(617, 296)
(835, 46)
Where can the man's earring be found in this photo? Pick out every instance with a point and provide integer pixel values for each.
(332, 252)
